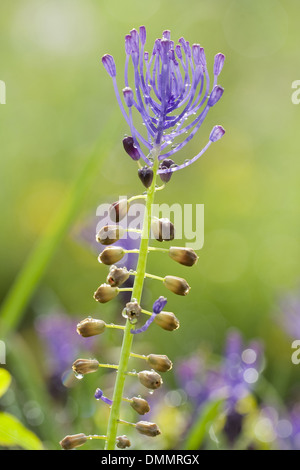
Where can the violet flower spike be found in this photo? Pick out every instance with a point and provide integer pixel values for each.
(158, 306)
(172, 94)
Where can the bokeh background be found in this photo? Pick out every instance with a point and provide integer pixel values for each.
(62, 156)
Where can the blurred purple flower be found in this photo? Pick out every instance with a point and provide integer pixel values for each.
(57, 332)
(289, 316)
(232, 378)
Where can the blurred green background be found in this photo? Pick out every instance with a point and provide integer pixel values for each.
(54, 132)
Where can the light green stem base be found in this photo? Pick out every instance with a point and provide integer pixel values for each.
(114, 417)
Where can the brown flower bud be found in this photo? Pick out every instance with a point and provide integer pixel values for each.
(118, 210)
(123, 442)
(132, 311)
(85, 366)
(73, 441)
(140, 405)
(117, 276)
(167, 321)
(160, 363)
(147, 428)
(150, 379)
(110, 234)
(162, 229)
(111, 255)
(90, 327)
(105, 293)
(182, 255)
(146, 176)
(177, 285)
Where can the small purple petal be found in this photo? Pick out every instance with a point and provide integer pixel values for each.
(217, 133)
(143, 34)
(159, 304)
(219, 62)
(145, 326)
(99, 396)
(109, 64)
(128, 96)
(216, 94)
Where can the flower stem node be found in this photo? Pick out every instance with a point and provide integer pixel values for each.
(167, 321)
(117, 276)
(150, 379)
(111, 255)
(183, 255)
(90, 327)
(140, 405)
(177, 285)
(118, 210)
(122, 442)
(146, 176)
(162, 229)
(147, 428)
(105, 293)
(85, 366)
(72, 441)
(110, 234)
(160, 363)
(132, 311)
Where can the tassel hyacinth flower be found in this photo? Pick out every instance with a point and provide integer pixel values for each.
(173, 94)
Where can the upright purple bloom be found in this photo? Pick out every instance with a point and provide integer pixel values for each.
(173, 95)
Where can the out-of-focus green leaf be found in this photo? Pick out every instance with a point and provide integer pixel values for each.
(15, 434)
(5, 379)
(200, 428)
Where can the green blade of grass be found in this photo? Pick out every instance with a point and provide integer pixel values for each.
(30, 275)
(199, 430)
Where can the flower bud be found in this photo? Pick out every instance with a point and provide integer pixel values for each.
(140, 405)
(111, 255)
(160, 363)
(132, 311)
(90, 327)
(123, 442)
(147, 428)
(110, 234)
(118, 210)
(128, 96)
(130, 148)
(73, 441)
(109, 64)
(85, 366)
(167, 321)
(177, 285)
(165, 165)
(150, 379)
(162, 229)
(146, 176)
(217, 133)
(215, 95)
(182, 255)
(117, 276)
(105, 293)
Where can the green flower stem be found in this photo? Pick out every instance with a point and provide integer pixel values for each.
(136, 294)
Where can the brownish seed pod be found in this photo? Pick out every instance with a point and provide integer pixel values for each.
(140, 405)
(73, 441)
(162, 229)
(123, 442)
(117, 276)
(178, 285)
(85, 366)
(160, 363)
(147, 428)
(90, 327)
(105, 293)
(150, 379)
(110, 234)
(183, 255)
(167, 321)
(118, 210)
(111, 255)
